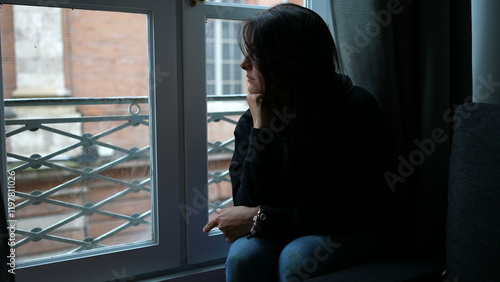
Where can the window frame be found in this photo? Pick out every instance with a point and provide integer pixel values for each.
(165, 252)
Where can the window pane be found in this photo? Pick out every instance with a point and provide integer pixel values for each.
(227, 30)
(223, 111)
(210, 89)
(76, 87)
(223, 58)
(226, 75)
(268, 3)
(210, 72)
(236, 52)
(226, 51)
(210, 50)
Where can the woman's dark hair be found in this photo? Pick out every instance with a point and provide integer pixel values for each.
(295, 52)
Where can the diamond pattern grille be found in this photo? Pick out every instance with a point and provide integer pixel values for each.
(67, 203)
(79, 188)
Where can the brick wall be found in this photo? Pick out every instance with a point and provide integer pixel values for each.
(107, 57)
(8, 50)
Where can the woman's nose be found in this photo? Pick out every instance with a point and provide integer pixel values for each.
(245, 64)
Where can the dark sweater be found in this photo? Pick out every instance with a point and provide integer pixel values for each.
(312, 173)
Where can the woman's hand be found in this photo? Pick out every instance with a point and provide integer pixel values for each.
(234, 222)
(261, 113)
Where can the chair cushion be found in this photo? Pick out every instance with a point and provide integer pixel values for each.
(389, 271)
(473, 219)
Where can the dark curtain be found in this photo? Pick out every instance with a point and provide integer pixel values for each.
(400, 50)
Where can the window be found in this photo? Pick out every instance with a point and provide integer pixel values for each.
(79, 147)
(83, 87)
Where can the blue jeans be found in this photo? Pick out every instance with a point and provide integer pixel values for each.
(264, 259)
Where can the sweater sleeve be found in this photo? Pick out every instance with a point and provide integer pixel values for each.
(256, 169)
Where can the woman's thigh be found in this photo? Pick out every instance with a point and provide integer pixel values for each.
(316, 255)
(253, 259)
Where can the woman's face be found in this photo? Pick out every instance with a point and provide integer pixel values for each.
(254, 77)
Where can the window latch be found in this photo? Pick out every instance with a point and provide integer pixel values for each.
(193, 3)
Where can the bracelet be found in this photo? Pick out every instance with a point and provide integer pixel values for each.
(257, 223)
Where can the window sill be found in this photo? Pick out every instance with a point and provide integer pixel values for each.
(211, 273)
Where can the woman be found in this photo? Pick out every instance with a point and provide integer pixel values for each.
(307, 160)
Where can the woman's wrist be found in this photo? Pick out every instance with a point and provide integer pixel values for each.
(259, 123)
(252, 212)
(258, 219)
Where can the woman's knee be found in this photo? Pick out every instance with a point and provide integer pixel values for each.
(306, 257)
(251, 258)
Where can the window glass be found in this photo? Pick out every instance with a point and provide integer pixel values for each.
(223, 56)
(223, 113)
(76, 87)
